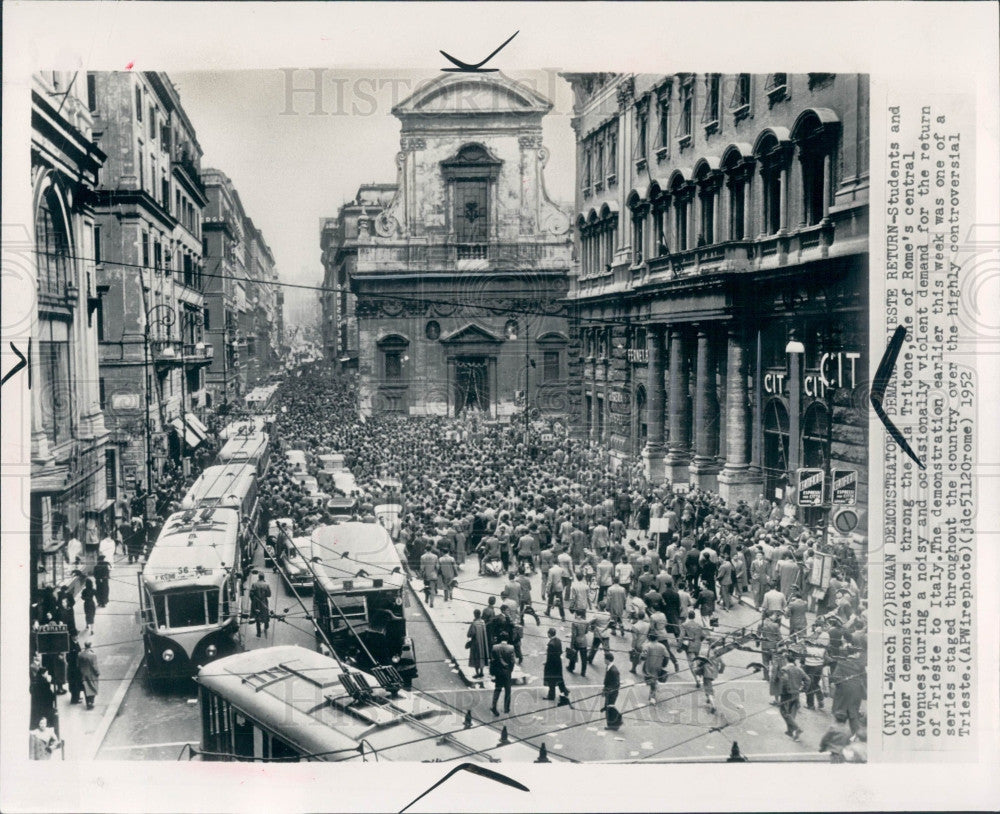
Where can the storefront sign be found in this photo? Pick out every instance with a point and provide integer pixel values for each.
(845, 487)
(637, 355)
(836, 370)
(810, 491)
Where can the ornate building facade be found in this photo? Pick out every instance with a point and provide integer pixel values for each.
(339, 242)
(73, 482)
(460, 279)
(722, 231)
(148, 253)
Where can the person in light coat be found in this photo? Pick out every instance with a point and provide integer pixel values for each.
(90, 673)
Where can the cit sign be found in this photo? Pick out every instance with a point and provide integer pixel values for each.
(810, 491)
(845, 487)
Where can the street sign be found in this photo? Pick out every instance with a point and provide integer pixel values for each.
(810, 491)
(52, 638)
(845, 487)
(845, 520)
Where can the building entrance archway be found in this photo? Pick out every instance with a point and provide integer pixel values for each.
(472, 384)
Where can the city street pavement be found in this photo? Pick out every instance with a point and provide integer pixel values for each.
(680, 726)
(154, 723)
(118, 645)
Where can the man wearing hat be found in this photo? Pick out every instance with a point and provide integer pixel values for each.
(814, 661)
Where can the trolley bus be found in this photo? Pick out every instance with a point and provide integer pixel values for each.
(232, 487)
(189, 592)
(290, 704)
(360, 583)
(247, 449)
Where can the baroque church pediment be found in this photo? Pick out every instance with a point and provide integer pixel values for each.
(463, 94)
(471, 334)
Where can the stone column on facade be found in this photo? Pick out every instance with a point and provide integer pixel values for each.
(736, 481)
(594, 435)
(783, 198)
(655, 403)
(827, 183)
(679, 453)
(747, 208)
(704, 468)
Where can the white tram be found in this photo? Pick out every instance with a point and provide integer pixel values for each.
(189, 592)
(290, 704)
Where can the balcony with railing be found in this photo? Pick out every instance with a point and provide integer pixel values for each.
(197, 354)
(451, 256)
(182, 159)
(166, 352)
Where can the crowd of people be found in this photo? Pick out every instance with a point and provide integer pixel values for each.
(479, 494)
(616, 555)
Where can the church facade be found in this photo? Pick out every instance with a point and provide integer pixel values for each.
(460, 280)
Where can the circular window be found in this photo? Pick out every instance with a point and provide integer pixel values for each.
(433, 330)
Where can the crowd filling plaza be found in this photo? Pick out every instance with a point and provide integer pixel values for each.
(479, 494)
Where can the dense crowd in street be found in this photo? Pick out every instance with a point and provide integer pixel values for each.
(479, 494)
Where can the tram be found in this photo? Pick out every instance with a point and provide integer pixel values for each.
(247, 449)
(359, 593)
(189, 592)
(233, 487)
(291, 704)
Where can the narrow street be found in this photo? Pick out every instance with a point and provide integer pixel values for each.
(155, 722)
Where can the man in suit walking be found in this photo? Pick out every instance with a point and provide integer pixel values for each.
(502, 669)
(612, 683)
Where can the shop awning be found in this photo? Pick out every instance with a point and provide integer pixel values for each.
(194, 436)
(195, 422)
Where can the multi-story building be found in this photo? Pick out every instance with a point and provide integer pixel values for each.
(73, 469)
(147, 248)
(722, 231)
(257, 322)
(339, 241)
(242, 313)
(225, 292)
(460, 279)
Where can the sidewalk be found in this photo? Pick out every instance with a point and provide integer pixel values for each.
(117, 640)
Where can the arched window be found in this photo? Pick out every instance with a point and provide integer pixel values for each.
(52, 244)
(680, 199)
(639, 210)
(469, 175)
(737, 170)
(773, 160)
(707, 180)
(816, 139)
(393, 349)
